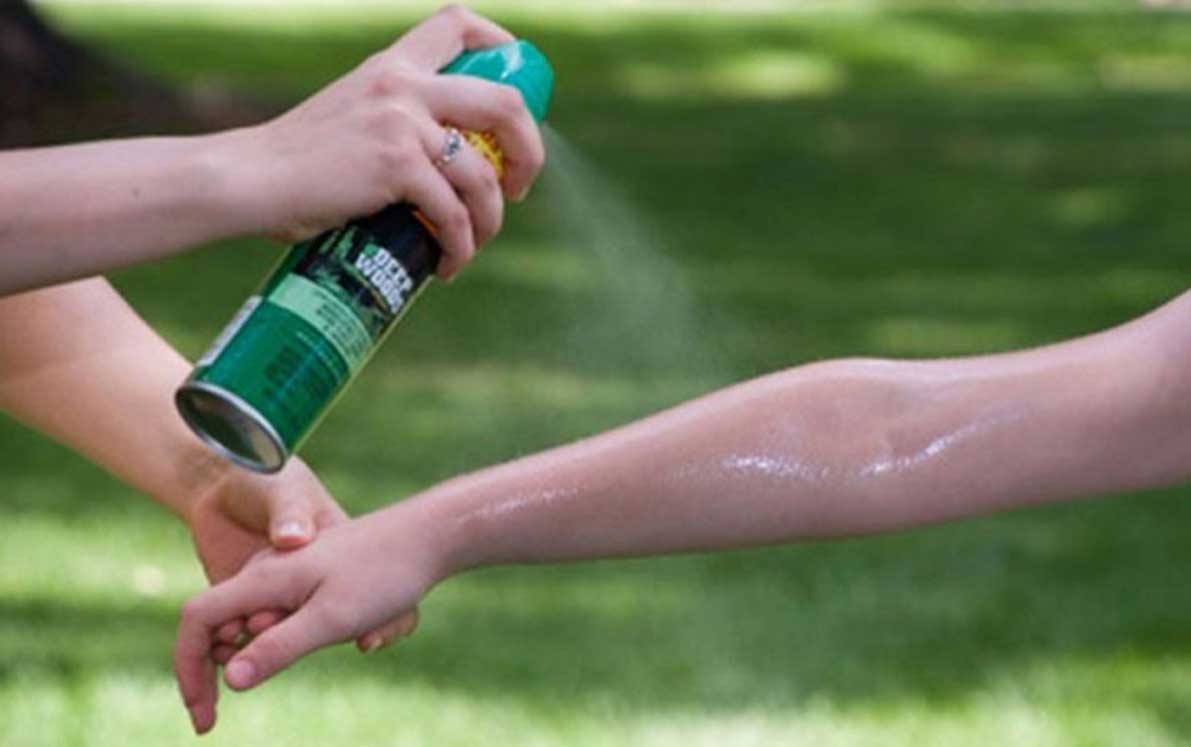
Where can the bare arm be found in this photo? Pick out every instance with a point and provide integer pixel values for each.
(847, 447)
(79, 365)
(835, 449)
(364, 142)
(76, 210)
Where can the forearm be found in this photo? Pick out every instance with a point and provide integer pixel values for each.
(79, 365)
(74, 211)
(843, 448)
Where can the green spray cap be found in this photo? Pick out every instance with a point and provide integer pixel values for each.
(518, 64)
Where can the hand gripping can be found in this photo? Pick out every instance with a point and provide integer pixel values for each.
(325, 309)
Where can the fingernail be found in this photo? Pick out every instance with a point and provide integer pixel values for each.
(374, 644)
(240, 674)
(520, 196)
(292, 530)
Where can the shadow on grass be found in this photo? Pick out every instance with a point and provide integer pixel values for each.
(936, 616)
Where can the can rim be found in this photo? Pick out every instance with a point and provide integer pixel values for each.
(250, 412)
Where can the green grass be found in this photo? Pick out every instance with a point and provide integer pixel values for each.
(898, 179)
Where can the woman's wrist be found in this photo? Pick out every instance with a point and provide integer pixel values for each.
(236, 196)
(193, 471)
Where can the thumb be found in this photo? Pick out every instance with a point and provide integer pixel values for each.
(277, 648)
(291, 521)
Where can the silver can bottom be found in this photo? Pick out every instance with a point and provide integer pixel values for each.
(231, 427)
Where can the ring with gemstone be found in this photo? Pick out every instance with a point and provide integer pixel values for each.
(451, 148)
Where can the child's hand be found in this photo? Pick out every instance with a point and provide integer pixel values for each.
(233, 515)
(356, 577)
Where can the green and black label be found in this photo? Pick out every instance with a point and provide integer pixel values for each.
(349, 288)
(323, 311)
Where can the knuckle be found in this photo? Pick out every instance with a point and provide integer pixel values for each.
(490, 229)
(397, 158)
(273, 650)
(266, 575)
(458, 220)
(488, 180)
(523, 172)
(508, 102)
(336, 619)
(394, 121)
(374, 60)
(284, 576)
(529, 160)
(192, 611)
(456, 12)
(388, 83)
(465, 252)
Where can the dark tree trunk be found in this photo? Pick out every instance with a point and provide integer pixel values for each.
(53, 89)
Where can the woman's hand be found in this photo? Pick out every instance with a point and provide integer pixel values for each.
(371, 139)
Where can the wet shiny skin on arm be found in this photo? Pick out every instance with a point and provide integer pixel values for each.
(849, 447)
(833, 449)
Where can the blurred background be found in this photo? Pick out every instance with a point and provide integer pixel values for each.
(735, 187)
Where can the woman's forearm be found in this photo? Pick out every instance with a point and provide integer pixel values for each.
(79, 365)
(74, 211)
(843, 448)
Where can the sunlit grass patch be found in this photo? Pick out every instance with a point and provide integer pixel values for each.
(764, 74)
(902, 337)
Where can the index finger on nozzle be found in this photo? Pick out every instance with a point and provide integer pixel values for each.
(435, 42)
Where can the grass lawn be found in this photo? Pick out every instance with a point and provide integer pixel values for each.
(885, 179)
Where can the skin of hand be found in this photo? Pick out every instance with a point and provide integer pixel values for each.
(239, 515)
(365, 141)
(835, 449)
(331, 590)
(82, 341)
(374, 133)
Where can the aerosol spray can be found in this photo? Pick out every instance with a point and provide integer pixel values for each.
(324, 310)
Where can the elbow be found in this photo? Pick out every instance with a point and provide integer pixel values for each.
(859, 414)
